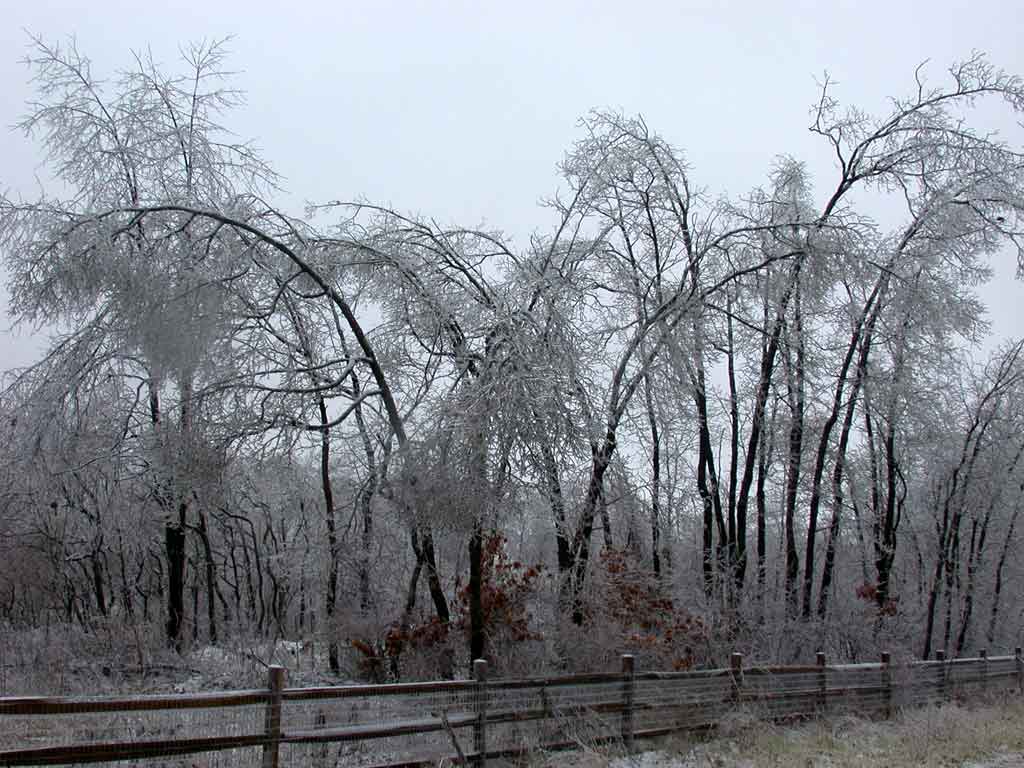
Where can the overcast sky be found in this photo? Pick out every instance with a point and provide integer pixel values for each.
(461, 111)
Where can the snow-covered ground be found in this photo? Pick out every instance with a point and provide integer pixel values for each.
(1016, 760)
(700, 758)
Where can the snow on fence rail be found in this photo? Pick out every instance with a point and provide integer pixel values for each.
(410, 724)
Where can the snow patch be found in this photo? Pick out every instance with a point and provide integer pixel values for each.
(652, 759)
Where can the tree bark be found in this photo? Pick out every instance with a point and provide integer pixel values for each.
(655, 479)
(795, 392)
(96, 567)
(477, 630)
(211, 577)
(553, 487)
(997, 590)
(366, 495)
(885, 549)
(581, 540)
(327, 489)
(735, 530)
(707, 484)
(433, 576)
(764, 462)
(174, 544)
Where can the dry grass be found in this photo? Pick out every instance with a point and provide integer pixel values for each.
(935, 736)
(950, 735)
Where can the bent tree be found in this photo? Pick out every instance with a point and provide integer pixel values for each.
(156, 308)
(658, 347)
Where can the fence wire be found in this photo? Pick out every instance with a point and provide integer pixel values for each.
(396, 724)
(356, 728)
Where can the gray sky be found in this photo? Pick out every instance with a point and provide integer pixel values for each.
(461, 111)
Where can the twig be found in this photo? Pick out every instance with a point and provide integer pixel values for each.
(451, 735)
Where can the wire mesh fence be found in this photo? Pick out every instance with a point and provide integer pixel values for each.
(417, 723)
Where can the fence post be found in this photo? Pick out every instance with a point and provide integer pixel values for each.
(628, 697)
(276, 680)
(983, 660)
(887, 682)
(940, 656)
(480, 704)
(736, 671)
(822, 682)
(1018, 657)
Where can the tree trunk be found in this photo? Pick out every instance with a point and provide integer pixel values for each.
(764, 462)
(734, 581)
(97, 582)
(366, 495)
(433, 576)
(953, 498)
(997, 590)
(979, 537)
(327, 488)
(553, 487)
(174, 540)
(366, 544)
(655, 479)
(477, 631)
(977, 543)
(174, 543)
(886, 554)
(126, 591)
(757, 424)
(933, 592)
(795, 391)
(211, 578)
(707, 484)
(821, 456)
(839, 466)
(581, 540)
(395, 647)
(606, 523)
(952, 579)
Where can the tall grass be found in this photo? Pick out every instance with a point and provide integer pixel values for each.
(947, 735)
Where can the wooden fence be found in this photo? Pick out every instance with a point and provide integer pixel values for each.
(410, 724)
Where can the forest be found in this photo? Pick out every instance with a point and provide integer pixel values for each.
(670, 422)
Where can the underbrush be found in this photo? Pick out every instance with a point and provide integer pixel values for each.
(65, 660)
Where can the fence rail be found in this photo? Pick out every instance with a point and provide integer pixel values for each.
(412, 723)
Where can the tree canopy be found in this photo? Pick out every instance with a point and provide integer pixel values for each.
(766, 408)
